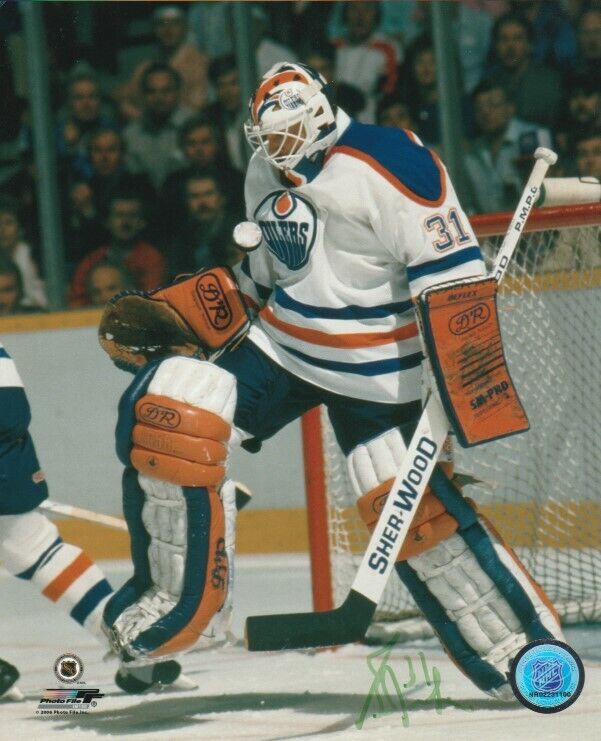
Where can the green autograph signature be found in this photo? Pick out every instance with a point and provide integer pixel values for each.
(386, 694)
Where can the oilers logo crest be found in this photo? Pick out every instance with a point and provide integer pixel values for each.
(289, 225)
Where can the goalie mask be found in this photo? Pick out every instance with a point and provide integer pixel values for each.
(292, 116)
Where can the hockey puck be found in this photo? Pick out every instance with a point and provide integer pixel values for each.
(247, 235)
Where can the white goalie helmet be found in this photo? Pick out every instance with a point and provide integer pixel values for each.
(292, 115)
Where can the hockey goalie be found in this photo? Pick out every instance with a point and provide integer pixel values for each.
(351, 225)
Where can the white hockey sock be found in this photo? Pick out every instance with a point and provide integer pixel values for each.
(32, 549)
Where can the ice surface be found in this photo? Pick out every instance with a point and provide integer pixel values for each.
(290, 695)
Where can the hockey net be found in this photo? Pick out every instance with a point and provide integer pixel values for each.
(541, 489)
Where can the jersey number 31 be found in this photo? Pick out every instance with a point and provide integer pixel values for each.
(449, 231)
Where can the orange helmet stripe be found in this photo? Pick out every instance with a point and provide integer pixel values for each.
(266, 87)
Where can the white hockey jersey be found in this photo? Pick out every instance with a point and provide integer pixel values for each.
(343, 255)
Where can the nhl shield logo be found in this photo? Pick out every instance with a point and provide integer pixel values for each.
(289, 225)
(546, 675)
(68, 668)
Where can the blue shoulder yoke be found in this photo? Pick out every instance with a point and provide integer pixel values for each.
(407, 162)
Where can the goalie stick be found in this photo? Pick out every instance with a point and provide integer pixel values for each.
(243, 496)
(78, 513)
(349, 622)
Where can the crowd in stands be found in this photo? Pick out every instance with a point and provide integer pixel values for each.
(148, 118)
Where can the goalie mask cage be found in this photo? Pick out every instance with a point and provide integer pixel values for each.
(541, 489)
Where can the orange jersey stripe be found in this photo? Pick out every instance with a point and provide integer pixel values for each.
(347, 341)
(59, 585)
(294, 179)
(395, 182)
(412, 136)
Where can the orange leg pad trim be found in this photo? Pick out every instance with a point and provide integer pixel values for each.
(425, 536)
(196, 449)
(431, 522)
(177, 416)
(175, 470)
(371, 504)
(215, 587)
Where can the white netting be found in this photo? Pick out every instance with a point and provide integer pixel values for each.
(542, 489)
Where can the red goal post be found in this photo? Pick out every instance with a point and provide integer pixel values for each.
(545, 224)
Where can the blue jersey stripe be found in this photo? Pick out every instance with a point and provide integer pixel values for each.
(3, 353)
(371, 368)
(90, 601)
(346, 312)
(444, 263)
(262, 291)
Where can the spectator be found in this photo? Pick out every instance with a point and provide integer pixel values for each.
(106, 280)
(227, 113)
(588, 61)
(494, 164)
(109, 172)
(268, 51)
(421, 90)
(84, 114)
(363, 58)
(151, 141)
(22, 187)
(125, 224)
(170, 29)
(212, 27)
(285, 20)
(13, 246)
(11, 287)
(200, 144)
(535, 90)
(10, 120)
(321, 56)
(393, 111)
(588, 154)
(84, 230)
(206, 237)
(554, 36)
(402, 21)
(575, 249)
(582, 109)
(472, 28)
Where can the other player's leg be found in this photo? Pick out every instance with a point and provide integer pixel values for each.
(9, 675)
(30, 545)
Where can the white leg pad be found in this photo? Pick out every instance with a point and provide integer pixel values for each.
(374, 462)
(196, 382)
(472, 601)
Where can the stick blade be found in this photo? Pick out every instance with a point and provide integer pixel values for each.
(346, 624)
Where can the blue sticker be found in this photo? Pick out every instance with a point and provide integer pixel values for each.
(547, 676)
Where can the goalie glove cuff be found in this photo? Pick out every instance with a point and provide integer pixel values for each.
(197, 316)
